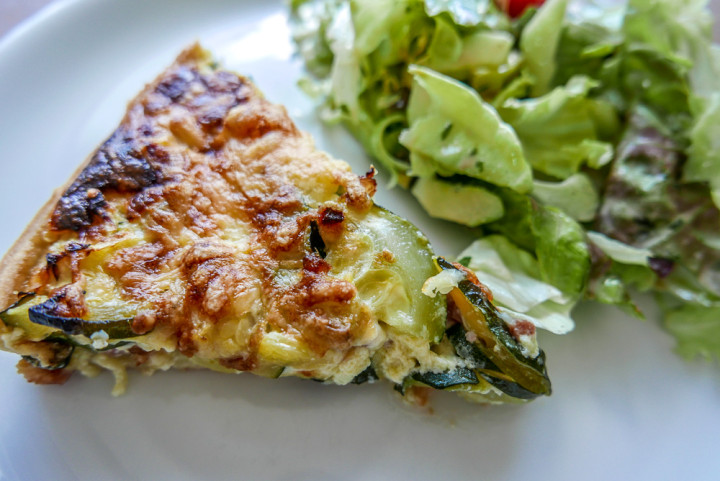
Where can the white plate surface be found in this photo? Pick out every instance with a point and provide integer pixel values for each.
(624, 406)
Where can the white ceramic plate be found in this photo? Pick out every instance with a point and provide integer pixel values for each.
(624, 405)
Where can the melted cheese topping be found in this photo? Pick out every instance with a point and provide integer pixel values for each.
(195, 219)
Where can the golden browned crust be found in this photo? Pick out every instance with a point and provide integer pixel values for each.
(23, 255)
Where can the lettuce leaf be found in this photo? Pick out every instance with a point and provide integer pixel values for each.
(310, 23)
(451, 53)
(453, 131)
(577, 196)
(593, 112)
(464, 203)
(468, 13)
(539, 43)
(620, 252)
(557, 240)
(696, 329)
(561, 250)
(514, 276)
(682, 31)
(703, 164)
(559, 131)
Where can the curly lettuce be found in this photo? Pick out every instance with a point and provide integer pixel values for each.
(580, 140)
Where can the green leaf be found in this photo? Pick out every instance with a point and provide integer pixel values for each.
(561, 250)
(539, 43)
(515, 279)
(557, 240)
(459, 56)
(452, 129)
(558, 131)
(468, 13)
(576, 196)
(619, 251)
(681, 30)
(703, 164)
(696, 329)
(310, 20)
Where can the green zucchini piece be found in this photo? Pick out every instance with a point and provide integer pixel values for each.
(368, 375)
(43, 314)
(443, 380)
(393, 290)
(484, 366)
(467, 350)
(494, 339)
(17, 316)
(61, 352)
(272, 372)
(509, 387)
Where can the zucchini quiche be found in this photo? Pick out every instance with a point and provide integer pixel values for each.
(208, 232)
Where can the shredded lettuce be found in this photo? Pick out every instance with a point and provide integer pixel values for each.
(582, 139)
(558, 131)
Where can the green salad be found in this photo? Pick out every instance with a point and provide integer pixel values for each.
(581, 140)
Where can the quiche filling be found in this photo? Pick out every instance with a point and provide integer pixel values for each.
(208, 232)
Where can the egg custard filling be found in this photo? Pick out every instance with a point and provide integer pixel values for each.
(209, 232)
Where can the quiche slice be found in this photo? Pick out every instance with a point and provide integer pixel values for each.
(208, 232)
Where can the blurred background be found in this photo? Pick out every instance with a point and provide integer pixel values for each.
(13, 12)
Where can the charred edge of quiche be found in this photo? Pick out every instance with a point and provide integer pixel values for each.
(33, 243)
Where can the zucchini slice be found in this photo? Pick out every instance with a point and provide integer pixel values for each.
(53, 355)
(368, 375)
(43, 314)
(494, 340)
(33, 314)
(17, 316)
(444, 380)
(484, 367)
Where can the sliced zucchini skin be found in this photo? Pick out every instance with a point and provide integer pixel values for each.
(484, 366)
(16, 316)
(67, 326)
(444, 380)
(510, 388)
(62, 354)
(43, 314)
(62, 350)
(494, 339)
(368, 375)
